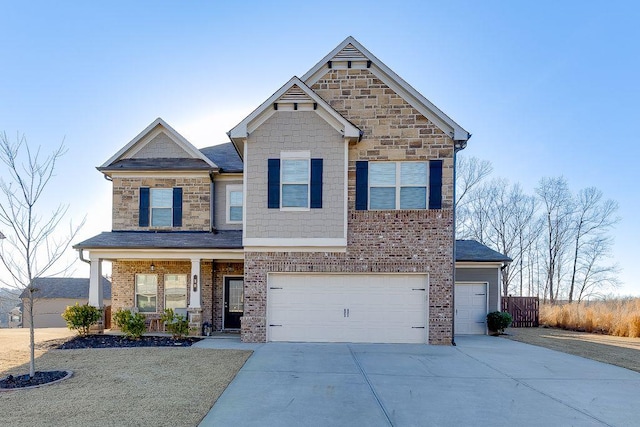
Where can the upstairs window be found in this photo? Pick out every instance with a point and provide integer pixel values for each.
(398, 185)
(295, 183)
(160, 207)
(234, 204)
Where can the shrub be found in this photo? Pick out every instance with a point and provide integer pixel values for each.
(175, 323)
(81, 317)
(498, 321)
(132, 325)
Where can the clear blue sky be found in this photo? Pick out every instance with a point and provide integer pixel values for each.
(547, 88)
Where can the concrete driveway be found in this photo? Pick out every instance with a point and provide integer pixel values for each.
(482, 381)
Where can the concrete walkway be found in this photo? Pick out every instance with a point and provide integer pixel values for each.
(483, 381)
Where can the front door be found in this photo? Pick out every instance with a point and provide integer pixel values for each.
(233, 302)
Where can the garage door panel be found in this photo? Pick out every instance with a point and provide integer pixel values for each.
(347, 308)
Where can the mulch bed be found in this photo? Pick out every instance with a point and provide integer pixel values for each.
(90, 341)
(115, 341)
(40, 378)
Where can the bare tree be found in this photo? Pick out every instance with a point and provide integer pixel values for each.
(32, 247)
(470, 172)
(593, 220)
(557, 205)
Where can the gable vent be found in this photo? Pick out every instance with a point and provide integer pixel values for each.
(349, 52)
(295, 94)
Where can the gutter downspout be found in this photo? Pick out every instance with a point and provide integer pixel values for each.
(212, 203)
(457, 146)
(81, 256)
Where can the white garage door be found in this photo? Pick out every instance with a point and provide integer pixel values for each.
(471, 308)
(381, 308)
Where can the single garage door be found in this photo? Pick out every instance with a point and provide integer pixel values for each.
(376, 308)
(471, 309)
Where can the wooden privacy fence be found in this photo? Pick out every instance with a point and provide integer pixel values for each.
(524, 310)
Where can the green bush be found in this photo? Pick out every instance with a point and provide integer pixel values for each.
(175, 323)
(132, 325)
(498, 321)
(81, 317)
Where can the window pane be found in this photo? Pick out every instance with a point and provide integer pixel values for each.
(413, 198)
(161, 217)
(146, 289)
(295, 171)
(235, 213)
(161, 197)
(236, 296)
(382, 173)
(294, 195)
(413, 173)
(235, 198)
(382, 198)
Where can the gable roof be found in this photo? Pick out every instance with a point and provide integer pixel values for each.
(474, 251)
(294, 91)
(351, 50)
(123, 160)
(65, 287)
(225, 156)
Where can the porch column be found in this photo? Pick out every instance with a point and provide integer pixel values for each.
(95, 284)
(194, 310)
(194, 281)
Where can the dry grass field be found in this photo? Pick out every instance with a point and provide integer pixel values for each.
(152, 386)
(619, 317)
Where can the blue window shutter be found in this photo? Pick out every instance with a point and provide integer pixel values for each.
(362, 185)
(273, 183)
(143, 212)
(316, 183)
(177, 207)
(435, 184)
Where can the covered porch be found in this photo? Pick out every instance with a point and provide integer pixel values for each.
(198, 274)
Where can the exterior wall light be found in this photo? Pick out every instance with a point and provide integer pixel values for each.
(195, 282)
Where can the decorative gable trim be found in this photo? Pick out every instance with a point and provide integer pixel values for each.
(294, 95)
(351, 54)
(148, 134)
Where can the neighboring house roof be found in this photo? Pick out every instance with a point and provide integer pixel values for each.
(129, 151)
(225, 156)
(223, 239)
(293, 92)
(350, 50)
(65, 287)
(473, 251)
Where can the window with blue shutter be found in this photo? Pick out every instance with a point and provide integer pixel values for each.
(143, 211)
(177, 207)
(362, 185)
(435, 184)
(273, 183)
(316, 184)
(396, 185)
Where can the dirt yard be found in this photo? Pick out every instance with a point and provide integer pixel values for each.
(153, 386)
(619, 351)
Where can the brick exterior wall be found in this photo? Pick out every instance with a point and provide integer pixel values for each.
(195, 201)
(378, 241)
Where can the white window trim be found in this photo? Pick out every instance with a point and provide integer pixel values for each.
(151, 207)
(296, 155)
(398, 186)
(186, 289)
(135, 292)
(231, 188)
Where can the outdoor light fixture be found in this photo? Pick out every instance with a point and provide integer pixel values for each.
(153, 267)
(195, 282)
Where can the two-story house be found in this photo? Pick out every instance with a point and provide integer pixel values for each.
(329, 217)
